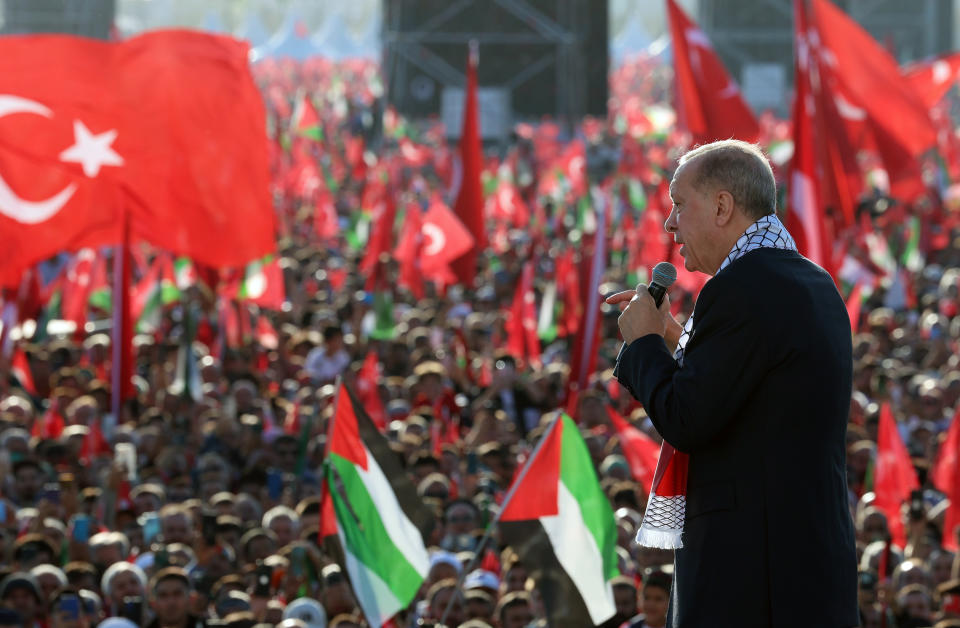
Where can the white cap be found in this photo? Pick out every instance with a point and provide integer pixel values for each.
(116, 622)
(307, 610)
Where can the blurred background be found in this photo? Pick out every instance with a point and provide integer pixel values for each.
(527, 45)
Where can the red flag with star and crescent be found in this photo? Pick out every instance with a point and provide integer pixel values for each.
(168, 127)
(709, 104)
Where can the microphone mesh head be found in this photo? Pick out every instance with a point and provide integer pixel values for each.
(664, 274)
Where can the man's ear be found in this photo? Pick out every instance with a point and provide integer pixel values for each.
(724, 208)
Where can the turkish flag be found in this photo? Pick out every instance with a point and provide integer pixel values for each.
(77, 287)
(409, 251)
(522, 339)
(894, 476)
(469, 202)
(872, 78)
(709, 104)
(638, 448)
(868, 92)
(325, 219)
(573, 164)
(806, 220)
(931, 80)
(381, 240)
(854, 304)
(568, 291)
(367, 390)
(439, 239)
(506, 205)
(946, 477)
(167, 127)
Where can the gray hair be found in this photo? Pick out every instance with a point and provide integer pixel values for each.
(103, 539)
(739, 168)
(53, 570)
(115, 570)
(281, 511)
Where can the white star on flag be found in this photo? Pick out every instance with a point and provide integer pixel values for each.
(92, 151)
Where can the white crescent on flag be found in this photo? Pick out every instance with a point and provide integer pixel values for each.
(11, 205)
(941, 71)
(437, 239)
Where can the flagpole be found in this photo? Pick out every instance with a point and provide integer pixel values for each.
(503, 506)
(121, 322)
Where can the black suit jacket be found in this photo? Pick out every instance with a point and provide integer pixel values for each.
(761, 405)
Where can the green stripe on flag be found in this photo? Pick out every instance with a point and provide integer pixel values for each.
(578, 475)
(912, 259)
(364, 532)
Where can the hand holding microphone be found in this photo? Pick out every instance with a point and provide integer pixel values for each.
(642, 315)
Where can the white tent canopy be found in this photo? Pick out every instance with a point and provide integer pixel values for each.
(631, 39)
(292, 41)
(334, 40)
(253, 31)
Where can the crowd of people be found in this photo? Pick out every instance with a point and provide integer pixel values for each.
(200, 506)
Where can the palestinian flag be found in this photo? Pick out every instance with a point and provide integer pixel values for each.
(20, 368)
(380, 520)
(305, 121)
(562, 526)
(187, 381)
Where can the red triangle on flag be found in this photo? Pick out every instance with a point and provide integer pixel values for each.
(344, 439)
(328, 516)
(367, 390)
(537, 493)
(20, 368)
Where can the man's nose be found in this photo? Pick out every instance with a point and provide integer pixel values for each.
(671, 223)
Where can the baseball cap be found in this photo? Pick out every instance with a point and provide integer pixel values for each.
(307, 610)
(116, 622)
(481, 579)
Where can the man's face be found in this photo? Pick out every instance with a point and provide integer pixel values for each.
(940, 569)
(171, 601)
(440, 602)
(625, 599)
(691, 221)
(48, 585)
(655, 605)
(337, 598)
(517, 616)
(28, 483)
(516, 578)
(22, 601)
(260, 548)
(461, 519)
(285, 456)
(479, 609)
(123, 585)
(105, 555)
(284, 529)
(917, 606)
(176, 529)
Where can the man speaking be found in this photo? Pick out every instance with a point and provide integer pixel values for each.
(753, 395)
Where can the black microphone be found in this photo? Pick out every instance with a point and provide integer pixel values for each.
(663, 276)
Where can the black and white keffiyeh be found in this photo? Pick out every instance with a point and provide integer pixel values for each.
(766, 233)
